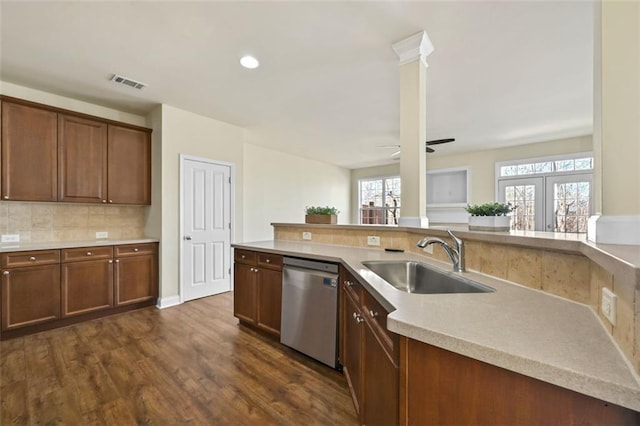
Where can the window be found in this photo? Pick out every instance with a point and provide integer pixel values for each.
(380, 200)
(552, 194)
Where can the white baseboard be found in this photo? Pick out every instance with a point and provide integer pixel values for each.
(167, 302)
(623, 230)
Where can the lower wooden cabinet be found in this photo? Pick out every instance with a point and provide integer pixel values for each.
(257, 293)
(50, 288)
(370, 362)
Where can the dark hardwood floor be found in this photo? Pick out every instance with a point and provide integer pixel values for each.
(190, 364)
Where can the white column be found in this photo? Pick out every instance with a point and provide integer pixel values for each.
(616, 124)
(412, 52)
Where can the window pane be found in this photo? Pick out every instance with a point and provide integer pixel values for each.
(523, 197)
(525, 169)
(571, 207)
(584, 164)
(564, 165)
(508, 170)
(546, 167)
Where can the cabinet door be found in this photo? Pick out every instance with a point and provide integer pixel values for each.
(380, 383)
(352, 347)
(129, 166)
(29, 153)
(86, 287)
(30, 296)
(136, 279)
(244, 292)
(82, 160)
(269, 300)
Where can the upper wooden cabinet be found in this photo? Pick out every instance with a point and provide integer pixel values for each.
(29, 153)
(82, 157)
(50, 154)
(129, 166)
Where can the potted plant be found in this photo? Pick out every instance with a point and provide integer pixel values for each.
(489, 216)
(324, 215)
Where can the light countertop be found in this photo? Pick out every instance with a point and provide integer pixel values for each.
(517, 328)
(8, 247)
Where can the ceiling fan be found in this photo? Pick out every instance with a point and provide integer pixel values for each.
(427, 144)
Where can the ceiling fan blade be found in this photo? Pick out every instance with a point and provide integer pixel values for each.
(439, 141)
(430, 150)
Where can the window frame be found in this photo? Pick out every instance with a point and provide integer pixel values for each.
(384, 186)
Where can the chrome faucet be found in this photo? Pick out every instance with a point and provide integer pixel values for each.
(455, 254)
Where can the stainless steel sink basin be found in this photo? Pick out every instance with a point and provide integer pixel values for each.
(416, 277)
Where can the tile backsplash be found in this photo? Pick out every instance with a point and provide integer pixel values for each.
(44, 222)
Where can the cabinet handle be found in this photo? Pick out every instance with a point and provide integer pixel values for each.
(135, 249)
(373, 314)
(89, 253)
(5, 273)
(32, 258)
(111, 201)
(104, 201)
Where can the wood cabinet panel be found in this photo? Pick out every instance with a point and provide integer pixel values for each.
(30, 295)
(82, 160)
(135, 279)
(134, 249)
(87, 286)
(352, 347)
(268, 260)
(29, 153)
(19, 259)
(244, 292)
(245, 256)
(269, 300)
(129, 166)
(86, 253)
(446, 388)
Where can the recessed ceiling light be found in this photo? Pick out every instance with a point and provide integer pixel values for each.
(249, 61)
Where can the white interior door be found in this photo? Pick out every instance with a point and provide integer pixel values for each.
(206, 228)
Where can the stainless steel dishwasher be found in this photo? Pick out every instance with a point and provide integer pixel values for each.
(310, 308)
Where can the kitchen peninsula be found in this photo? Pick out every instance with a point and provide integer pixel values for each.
(547, 344)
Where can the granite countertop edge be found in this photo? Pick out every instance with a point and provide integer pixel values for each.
(502, 345)
(54, 245)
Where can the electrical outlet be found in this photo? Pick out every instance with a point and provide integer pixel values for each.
(10, 238)
(306, 235)
(373, 240)
(608, 305)
(428, 249)
(103, 234)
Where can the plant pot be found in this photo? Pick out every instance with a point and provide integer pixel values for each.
(326, 219)
(489, 223)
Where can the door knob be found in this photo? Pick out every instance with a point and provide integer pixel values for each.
(187, 237)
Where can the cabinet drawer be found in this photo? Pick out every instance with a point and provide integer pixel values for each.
(245, 256)
(20, 259)
(134, 249)
(377, 316)
(268, 260)
(86, 253)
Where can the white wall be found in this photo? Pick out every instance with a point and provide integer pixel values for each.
(186, 133)
(278, 187)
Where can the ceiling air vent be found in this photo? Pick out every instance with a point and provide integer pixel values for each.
(127, 82)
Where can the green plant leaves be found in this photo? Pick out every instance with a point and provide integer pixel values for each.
(490, 209)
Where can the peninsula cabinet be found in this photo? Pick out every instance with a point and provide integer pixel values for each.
(369, 355)
(51, 154)
(30, 288)
(29, 153)
(257, 294)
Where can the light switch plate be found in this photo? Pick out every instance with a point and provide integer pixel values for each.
(103, 234)
(306, 235)
(373, 240)
(608, 305)
(10, 238)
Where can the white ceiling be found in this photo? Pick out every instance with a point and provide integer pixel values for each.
(502, 73)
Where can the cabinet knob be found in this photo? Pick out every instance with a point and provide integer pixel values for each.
(358, 318)
(268, 260)
(243, 257)
(32, 258)
(135, 249)
(373, 314)
(117, 260)
(111, 201)
(89, 253)
(6, 197)
(349, 283)
(104, 201)
(5, 273)
(111, 261)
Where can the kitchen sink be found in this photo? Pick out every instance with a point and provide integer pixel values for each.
(416, 277)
